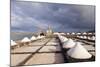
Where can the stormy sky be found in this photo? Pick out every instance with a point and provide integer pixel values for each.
(34, 16)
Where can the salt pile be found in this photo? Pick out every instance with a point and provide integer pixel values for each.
(81, 36)
(85, 37)
(69, 44)
(90, 33)
(93, 38)
(56, 33)
(85, 33)
(62, 33)
(79, 52)
(63, 39)
(25, 39)
(89, 38)
(68, 33)
(42, 36)
(39, 37)
(33, 38)
(73, 33)
(78, 33)
(77, 36)
(13, 43)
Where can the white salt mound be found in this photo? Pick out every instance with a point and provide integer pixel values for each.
(59, 35)
(85, 37)
(39, 37)
(62, 33)
(78, 33)
(89, 38)
(42, 36)
(56, 33)
(73, 33)
(33, 38)
(69, 44)
(63, 39)
(13, 43)
(81, 37)
(25, 39)
(78, 36)
(93, 38)
(68, 33)
(90, 33)
(84, 33)
(79, 52)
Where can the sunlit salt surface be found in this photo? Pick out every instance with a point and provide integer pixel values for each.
(39, 37)
(62, 38)
(85, 37)
(79, 52)
(84, 33)
(13, 43)
(69, 44)
(25, 39)
(33, 38)
(93, 38)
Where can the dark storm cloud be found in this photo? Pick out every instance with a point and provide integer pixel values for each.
(32, 16)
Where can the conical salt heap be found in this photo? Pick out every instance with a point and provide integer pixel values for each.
(25, 39)
(88, 37)
(85, 37)
(62, 34)
(39, 37)
(81, 37)
(79, 52)
(93, 38)
(63, 39)
(42, 36)
(33, 38)
(84, 33)
(78, 33)
(13, 43)
(69, 44)
(59, 35)
(73, 33)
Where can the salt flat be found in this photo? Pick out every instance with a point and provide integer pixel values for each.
(39, 42)
(53, 43)
(45, 58)
(50, 49)
(17, 58)
(25, 49)
(50, 52)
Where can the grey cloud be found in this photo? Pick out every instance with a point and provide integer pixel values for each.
(60, 16)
